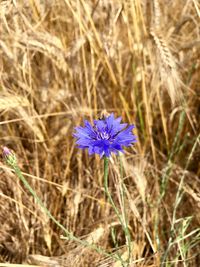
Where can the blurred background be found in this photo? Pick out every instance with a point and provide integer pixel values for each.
(63, 61)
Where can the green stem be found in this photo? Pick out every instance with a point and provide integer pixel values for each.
(106, 160)
(48, 213)
(124, 226)
(126, 229)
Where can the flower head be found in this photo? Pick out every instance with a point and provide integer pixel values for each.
(6, 151)
(9, 156)
(105, 136)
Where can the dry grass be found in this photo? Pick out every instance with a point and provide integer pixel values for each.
(62, 61)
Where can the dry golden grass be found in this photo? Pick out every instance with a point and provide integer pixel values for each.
(65, 60)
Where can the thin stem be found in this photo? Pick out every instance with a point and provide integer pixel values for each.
(48, 213)
(123, 224)
(126, 229)
(106, 160)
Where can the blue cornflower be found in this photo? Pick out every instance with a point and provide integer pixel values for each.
(105, 136)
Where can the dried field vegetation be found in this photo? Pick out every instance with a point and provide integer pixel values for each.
(65, 60)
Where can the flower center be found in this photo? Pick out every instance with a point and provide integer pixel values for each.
(103, 135)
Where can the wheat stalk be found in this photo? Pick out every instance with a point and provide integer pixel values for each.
(166, 66)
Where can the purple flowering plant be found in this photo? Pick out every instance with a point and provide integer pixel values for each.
(105, 136)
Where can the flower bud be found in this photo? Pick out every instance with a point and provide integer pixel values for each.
(9, 156)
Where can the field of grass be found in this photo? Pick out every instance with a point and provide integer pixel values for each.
(64, 61)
